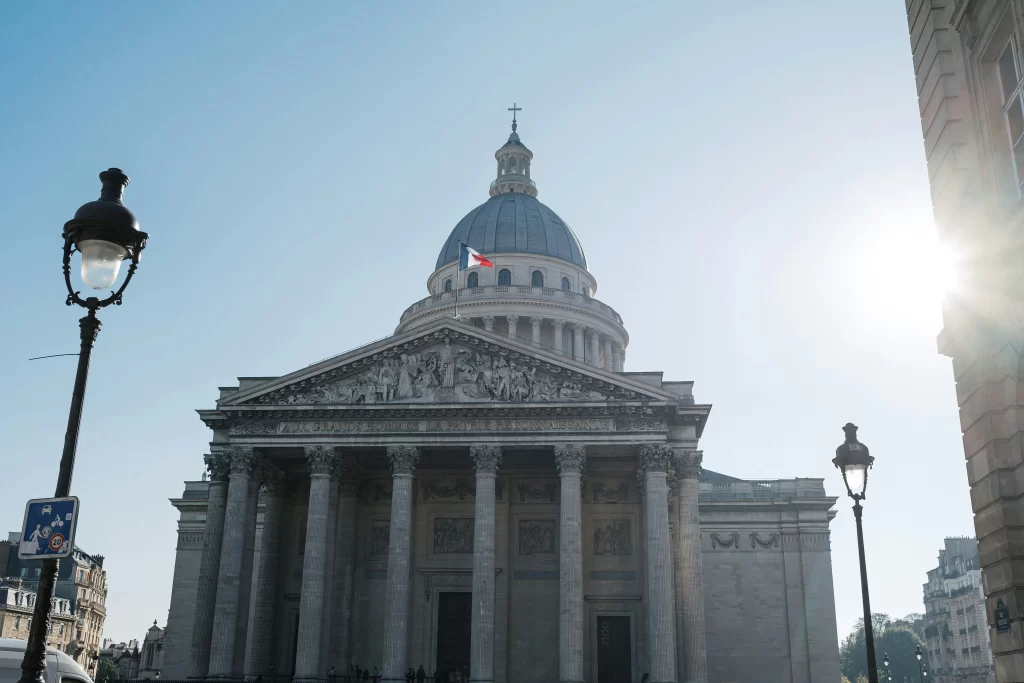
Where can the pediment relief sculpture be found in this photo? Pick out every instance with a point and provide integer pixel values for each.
(444, 372)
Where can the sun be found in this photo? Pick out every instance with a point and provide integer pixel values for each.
(906, 271)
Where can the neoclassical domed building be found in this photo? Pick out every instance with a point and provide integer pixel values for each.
(488, 490)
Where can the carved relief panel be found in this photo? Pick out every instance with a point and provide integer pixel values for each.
(610, 491)
(452, 536)
(613, 537)
(538, 537)
(536, 491)
(380, 537)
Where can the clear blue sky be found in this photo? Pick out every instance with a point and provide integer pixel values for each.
(748, 180)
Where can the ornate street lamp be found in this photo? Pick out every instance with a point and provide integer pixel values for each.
(105, 233)
(854, 461)
(920, 665)
(885, 663)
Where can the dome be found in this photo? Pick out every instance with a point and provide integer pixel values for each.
(513, 223)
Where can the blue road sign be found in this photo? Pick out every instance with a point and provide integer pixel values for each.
(49, 529)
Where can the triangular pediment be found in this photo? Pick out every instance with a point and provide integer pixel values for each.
(444, 363)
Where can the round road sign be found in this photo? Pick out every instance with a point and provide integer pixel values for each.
(56, 542)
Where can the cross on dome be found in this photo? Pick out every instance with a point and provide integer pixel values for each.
(514, 109)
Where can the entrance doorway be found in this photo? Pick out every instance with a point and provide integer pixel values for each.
(613, 650)
(454, 629)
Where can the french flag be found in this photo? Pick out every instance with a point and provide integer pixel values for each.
(471, 258)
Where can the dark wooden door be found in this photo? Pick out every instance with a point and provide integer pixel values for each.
(614, 663)
(454, 629)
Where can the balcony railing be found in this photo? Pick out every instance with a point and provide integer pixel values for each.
(768, 489)
(470, 295)
(520, 179)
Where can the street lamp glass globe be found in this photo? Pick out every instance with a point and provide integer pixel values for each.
(856, 475)
(885, 660)
(101, 262)
(917, 653)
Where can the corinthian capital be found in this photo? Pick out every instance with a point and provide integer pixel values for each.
(403, 459)
(688, 463)
(486, 458)
(322, 460)
(655, 457)
(219, 464)
(570, 458)
(242, 459)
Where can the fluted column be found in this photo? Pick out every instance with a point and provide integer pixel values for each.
(513, 323)
(345, 566)
(332, 537)
(323, 467)
(229, 579)
(617, 358)
(570, 460)
(577, 341)
(559, 349)
(219, 465)
(607, 365)
(396, 602)
(489, 323)
(275, 489)
(595, 348)
(691, 582)
(660, 594)
(535, 322)
(481, 652)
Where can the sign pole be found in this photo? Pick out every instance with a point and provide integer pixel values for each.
(34, 663)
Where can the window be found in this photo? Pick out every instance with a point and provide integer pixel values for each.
(473, 280)
(586, 290)
(60, 629)
(566, 285)
(1010, 77)
(24, 572)
(448, 285)
(17, 623)
(505, 277)
(81, 576)
(537, 279)
(37, 572)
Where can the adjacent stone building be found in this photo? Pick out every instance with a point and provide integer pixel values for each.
(16, 605)
(82, 581)
(970, 84)
(489, 490)
(955, 628)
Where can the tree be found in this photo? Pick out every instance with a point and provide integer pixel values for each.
(844, 679)
(106, 670)
(894, 638)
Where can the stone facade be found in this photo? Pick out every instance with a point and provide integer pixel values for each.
(82, 581)
(955, 624)
(967, 67)
(16, 605)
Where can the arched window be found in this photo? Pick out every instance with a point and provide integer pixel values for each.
(504, 276)
(537, 279)
(586, 290)
(448, 285)
(566, 286)
(473, 280)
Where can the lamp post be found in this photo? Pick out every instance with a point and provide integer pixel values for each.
(885, 663)
(106, 233)
(920, 664)
(854, 461)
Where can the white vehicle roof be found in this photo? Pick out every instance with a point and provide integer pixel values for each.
(13, 649)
